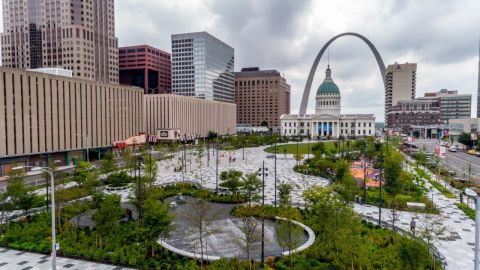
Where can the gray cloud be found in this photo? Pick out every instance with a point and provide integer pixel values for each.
(441, 36)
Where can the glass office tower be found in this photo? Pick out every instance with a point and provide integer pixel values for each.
(202, 66)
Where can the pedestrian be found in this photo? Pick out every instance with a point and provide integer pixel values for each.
(413, 224)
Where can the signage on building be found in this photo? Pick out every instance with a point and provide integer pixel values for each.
(163, 134)
(473, 136)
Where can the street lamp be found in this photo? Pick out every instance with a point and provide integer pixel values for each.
(52, 182)
(86, 137)
(470, 192)
(262, 171)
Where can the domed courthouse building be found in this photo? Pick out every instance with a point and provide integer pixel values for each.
(328, 120)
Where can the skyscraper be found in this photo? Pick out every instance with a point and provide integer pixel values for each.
(400, 84)
(202, 66)
(78, 35)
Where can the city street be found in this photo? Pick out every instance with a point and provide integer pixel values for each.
(456, 161)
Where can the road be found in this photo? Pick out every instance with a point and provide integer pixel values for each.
(456, 161)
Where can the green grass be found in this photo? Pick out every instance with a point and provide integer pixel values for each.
(447, 193)
(467, 210)
(303, 147)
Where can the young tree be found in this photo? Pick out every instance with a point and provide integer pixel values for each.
(108, 164)
(392, 170)
(150, 167)
(298, 157)
(289, 234)
(83, 174)
(200, 218)
(251, 187)
(20, 197)
(107, 216)
(318, 150)
(200, 153)
(232, 180)
(421, 158)
(156, 221)
(251, 236)
(431, 228)
(285, 194)
(342, 170)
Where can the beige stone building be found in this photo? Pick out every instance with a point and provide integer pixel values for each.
(188, 115)
(78, 35)
(52, 117)
(261, 96)
(401, 84)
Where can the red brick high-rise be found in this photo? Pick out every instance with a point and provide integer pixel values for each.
(262, 96)
(146, 67)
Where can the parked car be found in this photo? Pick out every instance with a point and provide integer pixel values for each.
(477, 153)
(471, 152)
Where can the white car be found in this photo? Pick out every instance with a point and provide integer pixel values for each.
(453, 149)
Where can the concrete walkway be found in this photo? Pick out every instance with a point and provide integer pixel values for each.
(14, 259)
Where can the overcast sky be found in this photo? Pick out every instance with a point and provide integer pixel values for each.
(441, 36)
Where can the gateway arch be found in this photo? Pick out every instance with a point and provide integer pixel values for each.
(308, 86)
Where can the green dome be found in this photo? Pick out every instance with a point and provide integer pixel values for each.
(328, 88)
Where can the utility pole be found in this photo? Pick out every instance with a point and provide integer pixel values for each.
(262, 171)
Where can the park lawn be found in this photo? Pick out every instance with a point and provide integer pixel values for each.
(303, 148)
(400, 202)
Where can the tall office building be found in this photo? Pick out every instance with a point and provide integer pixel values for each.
(400, 84)
(146, 67)
(452, 105)
(261, 96)
(78, 35)
(203, 67)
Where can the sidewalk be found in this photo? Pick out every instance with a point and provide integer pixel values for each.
(458, 242)
(14, 259)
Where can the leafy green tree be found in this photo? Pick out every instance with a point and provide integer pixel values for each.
(421, 158)
(251, 236)
(285, 194)
(342, 170)
(318, 150)
(465, 139)
(20, 197)
(83, 174)
(251, 187)
(298, 157)
(392, 170)
(108, 164)
(289, 234)
(106, 217)
(232, 180)
(156, 221)
(150, 168)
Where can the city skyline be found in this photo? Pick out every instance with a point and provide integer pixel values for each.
(287, 36)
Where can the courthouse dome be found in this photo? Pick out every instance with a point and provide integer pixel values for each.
(328, 87)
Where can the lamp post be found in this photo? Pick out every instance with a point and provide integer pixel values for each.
(52, 183)
(86, 137)
(275, 172)
(262, 171)
(473, 194)
(380, 188)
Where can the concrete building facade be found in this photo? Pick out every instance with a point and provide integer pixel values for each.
(452, 105)
(189, 116)
(418, 112)
(328, 122)
(202, 67)
(466, 125)
(47, 117)
(400, 84)
(261, 95)
(78, 35)
(146, 67)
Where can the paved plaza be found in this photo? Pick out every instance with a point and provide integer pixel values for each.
(14, 259)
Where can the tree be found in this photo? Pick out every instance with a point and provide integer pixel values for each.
(199, 218)
(288, 233)
(107, 164)
(150, 168)
(318, 150)
(251, 236)
(342, 170)
(392, 170)
(431, 229)
(156, 221)
(251, 186)
(232, 180)
(285, 194)
(17, 191)
(298, 157)
(200, 153)
(465, 139)
(107, 216)
(83, 174)
(421, 158)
